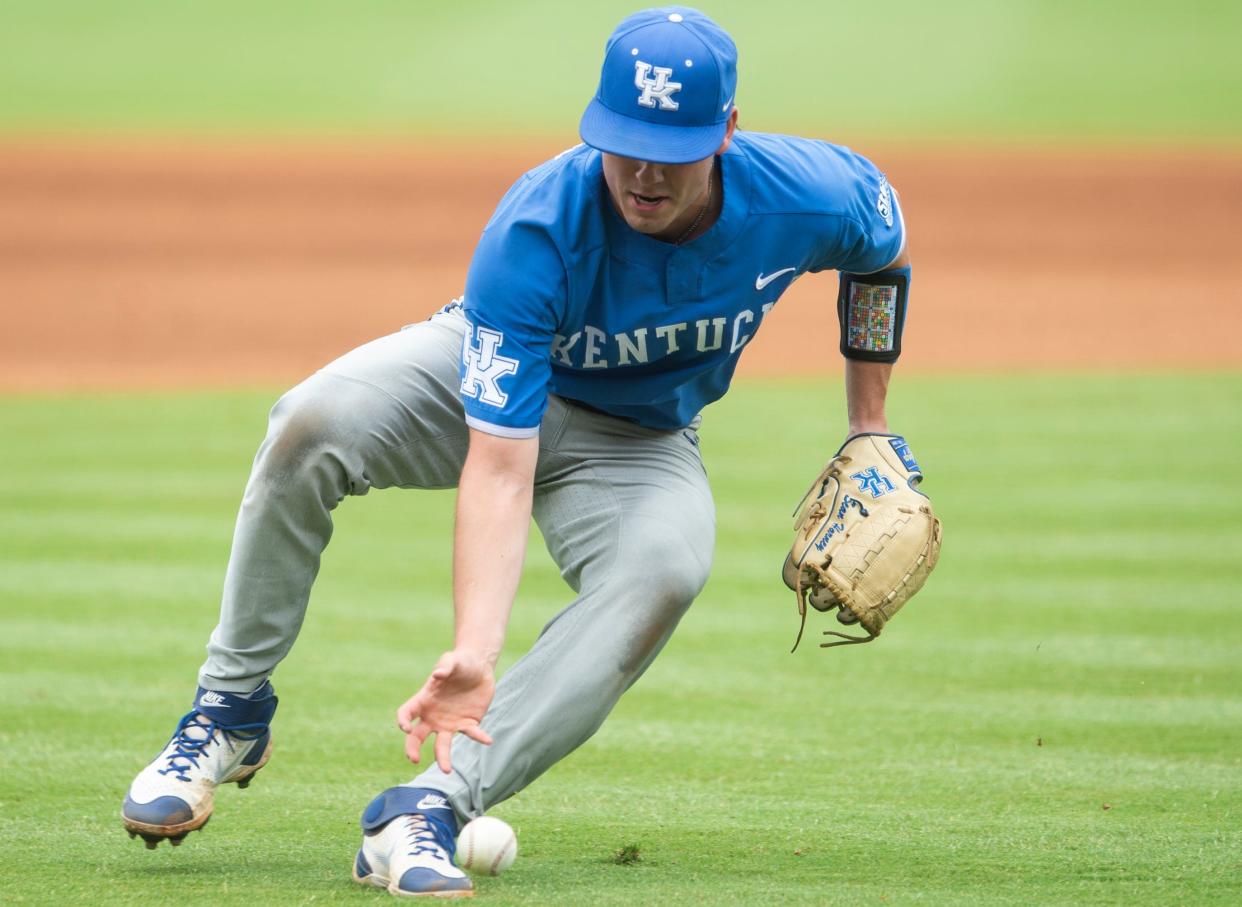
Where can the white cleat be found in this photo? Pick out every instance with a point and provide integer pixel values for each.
(411, 854)
(174, 795)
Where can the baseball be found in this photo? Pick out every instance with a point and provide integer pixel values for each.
(486, 846)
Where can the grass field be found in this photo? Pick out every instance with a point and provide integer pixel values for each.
(956, 68)
(1056, 719)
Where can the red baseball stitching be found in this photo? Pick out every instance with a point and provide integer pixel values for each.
(500, 856)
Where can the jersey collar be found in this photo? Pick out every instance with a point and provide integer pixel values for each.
(638, 248)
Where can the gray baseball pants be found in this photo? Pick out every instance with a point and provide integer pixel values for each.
(625, 511)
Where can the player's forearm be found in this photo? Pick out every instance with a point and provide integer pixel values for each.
(866, 383)
(866, 389)
(489, 544)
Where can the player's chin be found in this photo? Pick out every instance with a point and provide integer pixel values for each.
(648, 218)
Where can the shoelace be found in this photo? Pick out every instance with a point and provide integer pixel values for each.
(421, 838)
(187, 749)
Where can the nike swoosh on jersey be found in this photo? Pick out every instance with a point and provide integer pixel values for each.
(761, 281)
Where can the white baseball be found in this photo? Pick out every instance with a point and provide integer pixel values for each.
(486, 846)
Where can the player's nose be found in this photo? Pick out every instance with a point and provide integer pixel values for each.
(649, 172)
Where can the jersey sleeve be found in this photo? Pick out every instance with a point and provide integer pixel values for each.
(514, 289)
(870, 232)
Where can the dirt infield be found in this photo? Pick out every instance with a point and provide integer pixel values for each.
(131, 266)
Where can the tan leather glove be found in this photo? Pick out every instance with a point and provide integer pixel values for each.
(865, 539)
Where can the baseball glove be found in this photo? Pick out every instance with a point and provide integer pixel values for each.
(865, 539)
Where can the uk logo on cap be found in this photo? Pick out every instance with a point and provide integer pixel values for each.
(666, 88)
(658, 89)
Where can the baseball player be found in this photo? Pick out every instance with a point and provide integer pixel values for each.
(607, 303)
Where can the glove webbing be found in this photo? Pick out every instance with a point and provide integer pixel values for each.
(801, 593)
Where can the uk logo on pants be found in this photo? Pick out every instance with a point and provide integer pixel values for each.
(484, 367)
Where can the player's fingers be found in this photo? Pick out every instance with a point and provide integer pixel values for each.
(414, 740)
(410, 710)
(474, 732)
(444, 741)
(411, 749)
(407, 712)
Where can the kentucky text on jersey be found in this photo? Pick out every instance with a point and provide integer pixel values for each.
(565, 298)
(705, 335)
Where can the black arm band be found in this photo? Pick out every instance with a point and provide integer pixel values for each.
(872, 312)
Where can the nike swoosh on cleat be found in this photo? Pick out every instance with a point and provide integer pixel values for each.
(431, 801)
(761, 281)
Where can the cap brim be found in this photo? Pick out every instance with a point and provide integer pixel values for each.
(609, 131)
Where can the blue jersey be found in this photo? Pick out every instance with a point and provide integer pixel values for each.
(564, 297)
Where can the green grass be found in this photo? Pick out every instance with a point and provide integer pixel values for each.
(1115, 69)
(1057, 718)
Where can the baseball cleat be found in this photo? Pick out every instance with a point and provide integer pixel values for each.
(409, 843)
(224, 739)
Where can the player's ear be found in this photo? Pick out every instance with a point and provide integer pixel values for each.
(728, 137)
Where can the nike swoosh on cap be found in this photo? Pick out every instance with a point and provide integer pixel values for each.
(761, 281)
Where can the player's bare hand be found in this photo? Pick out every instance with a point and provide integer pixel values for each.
(453, 700)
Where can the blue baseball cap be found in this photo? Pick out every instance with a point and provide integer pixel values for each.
(666, 88)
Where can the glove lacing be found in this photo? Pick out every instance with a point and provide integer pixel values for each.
(801, 591)
(810, 523)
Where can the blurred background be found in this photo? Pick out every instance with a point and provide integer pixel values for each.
(231, 193)
(202, 202)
